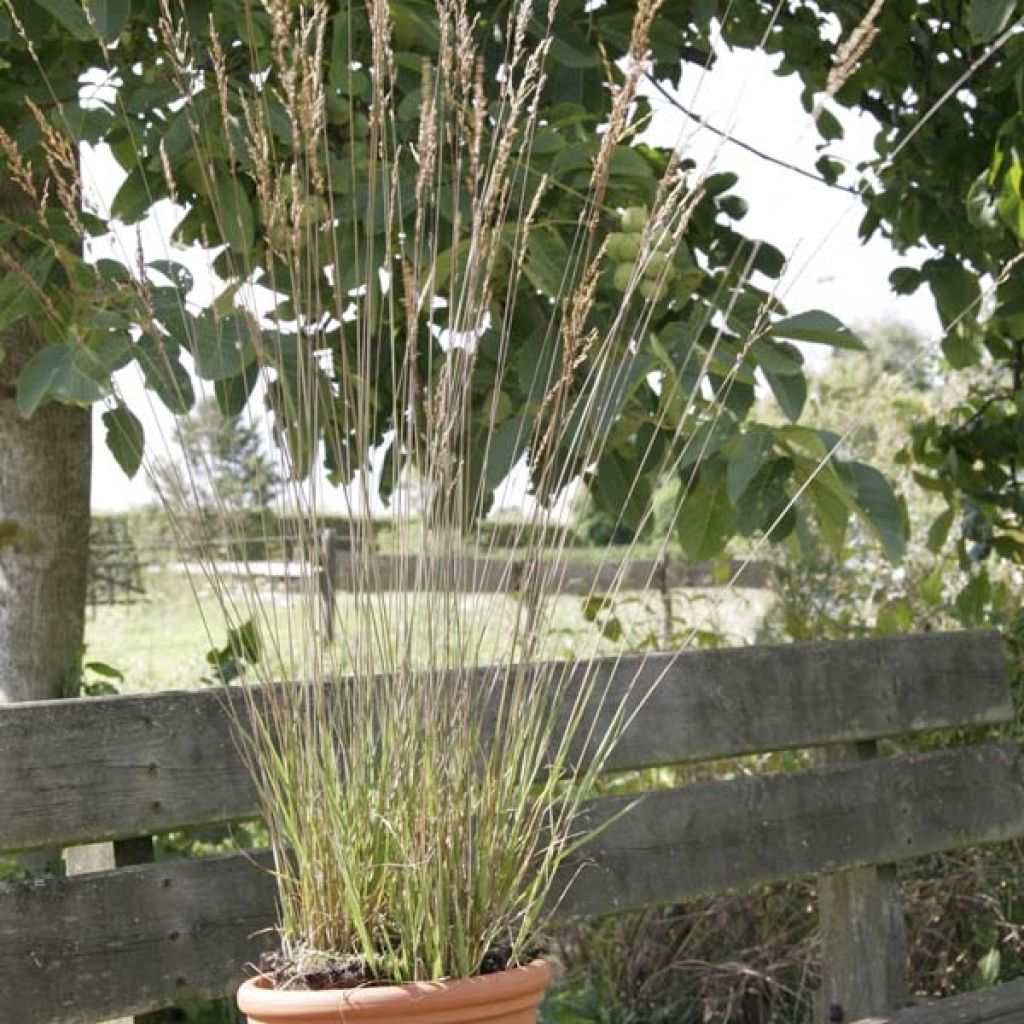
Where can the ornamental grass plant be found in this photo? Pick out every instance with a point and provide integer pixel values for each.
(423, 289)
(421, 784)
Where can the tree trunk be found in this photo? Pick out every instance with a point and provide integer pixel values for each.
(44, 503)
(45, 464)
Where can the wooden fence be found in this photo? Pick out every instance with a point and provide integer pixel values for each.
(571, 574)
(129, 940)
(115, 571)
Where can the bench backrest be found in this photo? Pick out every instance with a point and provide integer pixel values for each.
(90, 947)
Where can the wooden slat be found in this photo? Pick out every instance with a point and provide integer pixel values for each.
(495, 574)
(125, 942)
(1002, 1004)
(92, 769)
(383, 573)
(724, 834)
(78, 771)
(186, 925)
(645, 574)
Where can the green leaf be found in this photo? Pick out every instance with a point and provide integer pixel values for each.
(447, 261)
(831, 511)
(769, 260)
(706, 522)
(125, 438)
(880, 509)
(17, 299)
(52, 375)
(164, 374)
(232, 393)
(623, 493)
(716, 184)
(593, 606)
(747, 459)
(611, 398)
(778, 356)
(973, 600)
(939, 530)
(830, 168)
(707, 439)
(340, 68)
(905, 280)
(111, 351)
(570, 47)
(817, 444)
(819, 328)
(895, 617)
(626, 162)
(223, 346)
(987, 18)
(1010, 202)
(960, 348)
(955, 289)
(235, 219)
(829, 126)
(69, 14)
(790, 391)
(506, 443)
(101, 668)
(989, 966)
(765, 499)
(110, 17)
(930, 588)
(611, 629)
(99, 688)
(136, 195)
(546, 261)
(244, 641)
(177, 273)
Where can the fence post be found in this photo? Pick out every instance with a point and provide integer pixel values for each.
(522, 580)
(863, 935)
(327, 581)
(139, 850)
(102, 857)
(665, 588)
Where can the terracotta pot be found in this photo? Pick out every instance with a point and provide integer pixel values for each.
(508, 997)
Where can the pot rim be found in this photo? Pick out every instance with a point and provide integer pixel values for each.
(257, 998)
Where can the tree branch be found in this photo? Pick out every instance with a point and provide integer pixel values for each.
(674, 101)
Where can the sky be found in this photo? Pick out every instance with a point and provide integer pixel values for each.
(814, 225)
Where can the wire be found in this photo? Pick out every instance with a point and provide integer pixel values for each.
(778, 161)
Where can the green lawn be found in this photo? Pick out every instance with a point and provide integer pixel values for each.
(161, 642)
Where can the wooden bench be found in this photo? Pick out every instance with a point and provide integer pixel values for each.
(135, 938)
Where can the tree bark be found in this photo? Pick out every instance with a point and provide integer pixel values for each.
(45, 465)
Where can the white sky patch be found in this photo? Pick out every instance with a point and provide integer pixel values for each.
(815, 226)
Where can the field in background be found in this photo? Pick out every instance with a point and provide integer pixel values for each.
(160, 642)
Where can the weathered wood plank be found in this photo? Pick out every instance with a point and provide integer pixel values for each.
(383, 573)
(646, 574)
(129, 941)
(719, 835)
(101, 768)
(186, 925)
(493, 574)
(1002, 1004)
(77, 771)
